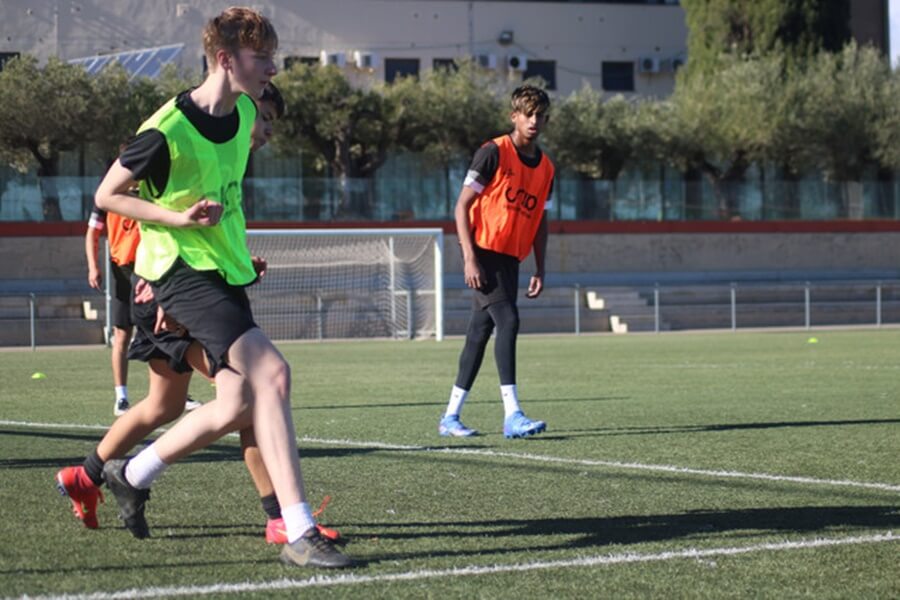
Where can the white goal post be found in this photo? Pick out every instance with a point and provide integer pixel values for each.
(349, 283)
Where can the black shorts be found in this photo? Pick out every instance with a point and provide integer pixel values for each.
(146, 345)
(501, 279)
(167, 347)
(120, 303)
(212, 311)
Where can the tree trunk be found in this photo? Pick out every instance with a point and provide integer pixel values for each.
(591, 203)
(854, 200)
(790, 194)
(47, 174)
(693, 195)
(886, 204)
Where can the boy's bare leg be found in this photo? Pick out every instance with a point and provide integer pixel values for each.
(121, 338)
(230, 411)
(255, 465)
(268, 376)
(164, 403)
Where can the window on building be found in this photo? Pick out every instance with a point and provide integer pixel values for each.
(618, 76)
(545, 69)
(395, 68)
(6, 57)
(290, 61)
(444, 63)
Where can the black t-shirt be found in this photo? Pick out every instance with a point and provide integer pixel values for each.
(147, 154)
(487, 159)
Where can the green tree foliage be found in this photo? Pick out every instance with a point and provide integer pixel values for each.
(845, 98)
(887, 134)
(721, 123)
(121, 105)
(593, 137)
(44, 112)
(449, 112)
(349, 129)
(795, 29)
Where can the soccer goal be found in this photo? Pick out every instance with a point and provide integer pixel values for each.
(349, 283)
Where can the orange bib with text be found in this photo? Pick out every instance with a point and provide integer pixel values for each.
(124, 236)
(506, 215)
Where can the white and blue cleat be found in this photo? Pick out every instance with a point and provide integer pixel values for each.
(451, 426)
(517, 425)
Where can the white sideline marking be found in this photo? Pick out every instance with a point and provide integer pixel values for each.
(615, 464)
(541, 458)
(471, 570)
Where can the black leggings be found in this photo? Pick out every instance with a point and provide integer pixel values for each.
(505, 317)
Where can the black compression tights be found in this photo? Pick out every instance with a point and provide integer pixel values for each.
(505, 317)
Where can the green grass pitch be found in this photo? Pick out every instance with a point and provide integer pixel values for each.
(785, 478)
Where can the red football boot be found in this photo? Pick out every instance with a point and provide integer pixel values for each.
(75, 483)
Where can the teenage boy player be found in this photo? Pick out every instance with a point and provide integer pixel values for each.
(170, 359)
(189, 159)
(124, 238)
(500, 219)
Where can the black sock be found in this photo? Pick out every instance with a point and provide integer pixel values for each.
(271, 506)
(93, 466)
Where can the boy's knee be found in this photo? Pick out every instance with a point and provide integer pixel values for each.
(278, 375)
(158, 413)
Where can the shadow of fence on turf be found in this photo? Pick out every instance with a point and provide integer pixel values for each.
(714, 427)
(211, 454)
(595, 533)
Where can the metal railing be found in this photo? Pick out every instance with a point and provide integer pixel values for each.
(852, 297)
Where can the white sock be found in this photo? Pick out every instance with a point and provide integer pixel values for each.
(457, 397)
(121, 392)
(298, 520)
(142, 470)
(510, 399)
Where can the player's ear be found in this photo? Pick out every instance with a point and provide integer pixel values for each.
(224, 59)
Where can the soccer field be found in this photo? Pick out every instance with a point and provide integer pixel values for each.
(679, 465)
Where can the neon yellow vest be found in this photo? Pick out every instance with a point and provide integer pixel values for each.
(199, 169)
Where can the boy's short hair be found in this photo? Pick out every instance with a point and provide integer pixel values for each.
(528, 99)
(235, 28)
(273, 95)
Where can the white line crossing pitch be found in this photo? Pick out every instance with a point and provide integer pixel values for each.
(350, 579)
(714, 473)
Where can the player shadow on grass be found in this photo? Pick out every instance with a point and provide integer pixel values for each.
(586, 533)
(442, 402)
(212, 453)
(612, 431)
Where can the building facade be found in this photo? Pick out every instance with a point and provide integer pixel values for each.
(629, 47)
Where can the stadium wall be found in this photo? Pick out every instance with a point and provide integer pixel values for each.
(745, 250)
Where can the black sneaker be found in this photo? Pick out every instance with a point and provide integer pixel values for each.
(131, 500)
(314, 550)
(121, 407)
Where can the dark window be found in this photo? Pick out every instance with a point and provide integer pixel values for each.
(444, 63)
(6, 57)
(545, 69)
(395, 68)
(618, 76)
(290, 61)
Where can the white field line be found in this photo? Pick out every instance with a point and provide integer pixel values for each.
(471, 570)
(889, 487)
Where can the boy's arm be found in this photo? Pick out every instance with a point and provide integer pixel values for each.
(536, 285)
(113, 196)
(471, 269)
(91, 245)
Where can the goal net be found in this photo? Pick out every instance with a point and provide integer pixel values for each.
(349, 283)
